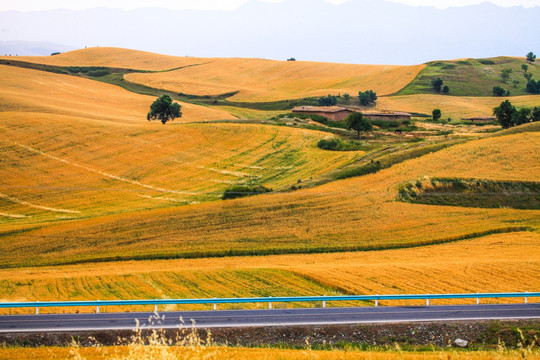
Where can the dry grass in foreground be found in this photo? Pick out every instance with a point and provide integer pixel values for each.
(209, 353)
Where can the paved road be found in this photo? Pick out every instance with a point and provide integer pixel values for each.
(256, 318)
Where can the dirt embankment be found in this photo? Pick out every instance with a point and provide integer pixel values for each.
(486, 334)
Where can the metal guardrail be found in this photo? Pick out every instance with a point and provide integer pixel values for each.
(269, 300)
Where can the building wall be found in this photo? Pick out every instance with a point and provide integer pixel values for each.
(387, 118)
(337, 116)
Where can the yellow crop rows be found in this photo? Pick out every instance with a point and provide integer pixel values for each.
(268, 80)
(454, 107)
(495, 263)
(349, 214)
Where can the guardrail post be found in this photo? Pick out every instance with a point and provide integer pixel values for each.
(155, 307)
(376, 300)
(324, 303)
(526, 298)
(97, 309)
(37, 309)
(270, 305)
(427, 301)
(215, 305)
(477, 300)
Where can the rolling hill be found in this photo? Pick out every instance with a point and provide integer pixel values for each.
(87, 181)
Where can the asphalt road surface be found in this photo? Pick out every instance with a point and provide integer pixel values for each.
(260, 318)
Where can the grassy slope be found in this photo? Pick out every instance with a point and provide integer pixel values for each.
(75, 148)
(507, 262)
(340, 215)
(472, 78)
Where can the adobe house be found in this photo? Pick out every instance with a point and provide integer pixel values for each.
(334, 113)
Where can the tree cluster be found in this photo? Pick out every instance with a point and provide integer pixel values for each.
(437, 85)
(533, 86)
(329, 100)
(367, 97)
(500, 91)
(508, 116)
(164, 110)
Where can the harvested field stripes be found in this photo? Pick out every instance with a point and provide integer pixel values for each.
(506, 263)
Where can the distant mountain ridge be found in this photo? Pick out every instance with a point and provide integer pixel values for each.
(31, 48)
(358, 31)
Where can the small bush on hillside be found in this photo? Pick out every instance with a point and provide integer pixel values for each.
(500, 91)
(335, 144)
(386, 124)
(463, 62)
(486, 62)
(98, 73)
(370, 168)
(240, 191)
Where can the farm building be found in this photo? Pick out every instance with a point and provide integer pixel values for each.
(334, 113)
(337, 113)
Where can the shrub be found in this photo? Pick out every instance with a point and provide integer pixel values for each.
(240, 191)
(486, 62)
(336, 144)
(499, 91)
(97, 73)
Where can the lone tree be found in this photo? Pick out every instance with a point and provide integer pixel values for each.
(531, 57)
(356, 121)
(436, 114)
(437, 84)
(505, 114)
(164, 109)
(505, 74)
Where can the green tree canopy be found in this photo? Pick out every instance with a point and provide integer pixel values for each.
(437, 84)
(531, 57)
(164, 109)
(437, 113)
(356, 121)
(505, 114)
(499, 91)
(367, 97)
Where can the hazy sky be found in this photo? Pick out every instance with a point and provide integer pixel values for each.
(29, 5)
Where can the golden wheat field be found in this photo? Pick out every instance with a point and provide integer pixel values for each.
(162, 352)
(74, 148)
(358, 213)
(495, 263)
(113, 57)
(455, 107)
(268, 80)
